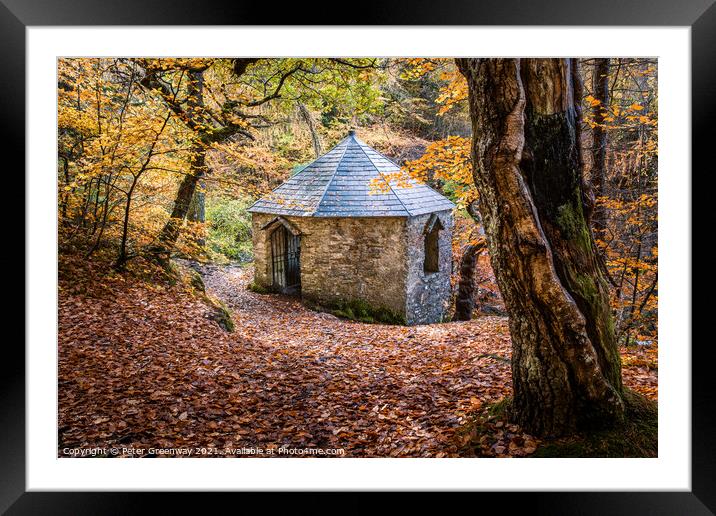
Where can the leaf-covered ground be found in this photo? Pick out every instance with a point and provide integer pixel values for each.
(144, 366)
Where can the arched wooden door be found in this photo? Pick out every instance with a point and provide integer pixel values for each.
(286, 260)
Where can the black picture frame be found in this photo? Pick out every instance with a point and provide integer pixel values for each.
(17, 15)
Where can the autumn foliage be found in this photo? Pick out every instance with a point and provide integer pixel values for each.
(142, 359)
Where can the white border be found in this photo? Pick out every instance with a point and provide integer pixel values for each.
(670, 471)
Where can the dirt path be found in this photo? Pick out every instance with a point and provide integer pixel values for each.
(373, 390)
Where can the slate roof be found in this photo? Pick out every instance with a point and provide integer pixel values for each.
(342, 183)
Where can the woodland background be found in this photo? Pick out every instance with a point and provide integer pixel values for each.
(123, 152)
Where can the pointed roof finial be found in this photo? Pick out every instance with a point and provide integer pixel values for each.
(351, 132)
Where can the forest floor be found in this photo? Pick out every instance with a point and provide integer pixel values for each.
(143, 365)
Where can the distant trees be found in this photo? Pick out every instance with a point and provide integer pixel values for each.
(112, 137)
(619, 147)
(623, 118)
(600, 111)
(141, 142)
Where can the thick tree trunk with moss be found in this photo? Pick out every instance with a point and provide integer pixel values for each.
(565, 364)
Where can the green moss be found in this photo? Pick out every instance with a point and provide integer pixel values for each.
(587, 287)
(196, 281)
(570, 220)
(566, 220)
(501, 408)
(171, 271)
(637, 436)
(221, 315)
(258, 289)
(359, 310)
(479, 427)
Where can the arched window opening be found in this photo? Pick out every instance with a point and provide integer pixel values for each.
(432, 252)
(431, 234)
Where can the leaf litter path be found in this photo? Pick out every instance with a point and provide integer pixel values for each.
(143, 366)
(373, 390)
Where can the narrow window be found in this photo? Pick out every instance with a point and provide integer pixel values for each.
(432, 250)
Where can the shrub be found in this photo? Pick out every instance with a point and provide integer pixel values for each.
(229, 228)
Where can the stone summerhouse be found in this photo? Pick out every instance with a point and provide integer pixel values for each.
(332, 233)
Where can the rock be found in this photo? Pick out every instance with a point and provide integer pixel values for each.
(493, 310)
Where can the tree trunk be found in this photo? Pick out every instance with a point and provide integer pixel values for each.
(527, 168)
(599, 140)
(308, 118)
(465, 302)
(122, 258)
(197, 209)
(169, 235)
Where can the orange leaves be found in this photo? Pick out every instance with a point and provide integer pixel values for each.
(453, 89)
(592, 101)
(448, 160)
(143, 368)
(287, 376)
(452, 93)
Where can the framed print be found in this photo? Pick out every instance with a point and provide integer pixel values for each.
(414, 250)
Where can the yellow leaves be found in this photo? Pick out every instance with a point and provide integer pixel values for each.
(448, 160)
(418, 67)
(454, 88)
(592, 101)
(616, 117)
(453, 92)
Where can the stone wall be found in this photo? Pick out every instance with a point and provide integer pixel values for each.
(344, 258)
(379, 260)
(428, 294)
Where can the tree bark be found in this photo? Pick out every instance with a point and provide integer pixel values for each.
(599, 140)
(170, 232)
(465, 302)
(527, 168)
(197, 169)
(197, 209)
(311, 123)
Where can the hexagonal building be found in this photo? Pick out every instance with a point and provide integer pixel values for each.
(347, 227)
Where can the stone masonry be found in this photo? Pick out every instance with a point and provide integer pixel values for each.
(377, 259)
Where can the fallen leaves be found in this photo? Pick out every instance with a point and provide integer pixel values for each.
(141, 367)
